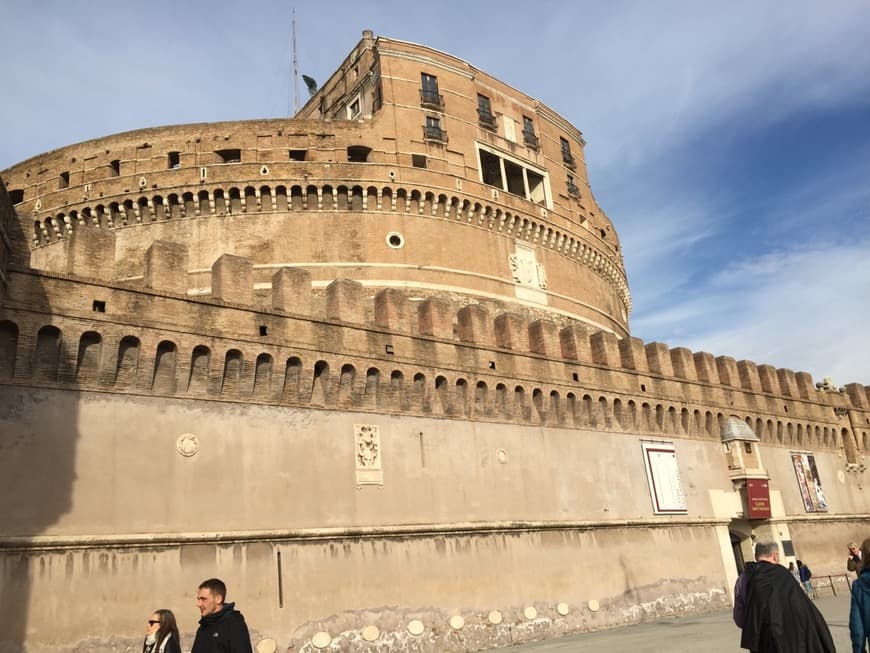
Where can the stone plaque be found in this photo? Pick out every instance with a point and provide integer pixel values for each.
(367, 448)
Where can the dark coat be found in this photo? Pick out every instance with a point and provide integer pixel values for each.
(779, 617)
(859, 613)
(171, 646)
(223, 632)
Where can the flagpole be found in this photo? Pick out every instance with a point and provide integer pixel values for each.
(295, 69)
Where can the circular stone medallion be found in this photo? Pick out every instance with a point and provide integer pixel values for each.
(495, 617)
(457, 622)
(530, 613)
(416, 627)
(370, 633)
(321, 639)
(562, 609)
(593, 605)
(187, 444)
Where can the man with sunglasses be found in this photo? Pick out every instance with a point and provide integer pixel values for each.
(222, 628)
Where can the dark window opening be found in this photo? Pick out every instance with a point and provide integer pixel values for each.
(389, 349)
(173, 160)
(603, 233)
(354, 111)
(63, 180)
(515, 182)
(748, 447)
(573, 191)
(418, 160)
(99, 306)
(529, 137)
(575, 376)
(432, 130)
(395, 240)
(358, 153)
(492, 365)
(229, 156)
(642, 387)
(567, 157)
(298, 155)
(536, 187)
(490, 167)
(115, 167)
(16, 196)
(484, 112)
(429, 95)
(264, 330)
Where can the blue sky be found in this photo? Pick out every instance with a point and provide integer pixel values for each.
(728, 142)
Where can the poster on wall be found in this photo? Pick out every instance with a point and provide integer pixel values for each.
(808, 481)
(663, 476)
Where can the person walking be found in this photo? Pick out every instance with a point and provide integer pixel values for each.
(222, 628)
(778, 616)
(859, 611)
(856, 558)
(805, 578)
(794, 572)
(161, 635)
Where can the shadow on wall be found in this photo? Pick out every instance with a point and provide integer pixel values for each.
(38, 428)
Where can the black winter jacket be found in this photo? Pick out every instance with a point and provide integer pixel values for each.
(779, 616)
(223, 632)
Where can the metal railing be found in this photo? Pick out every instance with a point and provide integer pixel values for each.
(432, 133)
(431, 99)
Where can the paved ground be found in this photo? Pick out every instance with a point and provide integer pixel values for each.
(710, 633)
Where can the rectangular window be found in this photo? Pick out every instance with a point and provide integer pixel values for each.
(573, 191)
(663, 476)
(529, 137)
(173, 160)
(513, 176)
(432, 130)
(418, 160)
(429, 95)
(567, 157)
(229, 156)
(353, 110)
(484, 112)
(115, 168)
(297, 155)
(63, 180)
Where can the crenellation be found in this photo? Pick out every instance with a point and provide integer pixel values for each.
(748, 374)
(726, 368)
(787, 383)
(511, 331)
(392, 310)
(632, 355)
(658, 359)
(344, 301)
(805, 387)
(684, 364)
(574, 344)
(166, 266)
(858, 396)
(232, 279)
(705, 367)
(474, 325)
(769, 379)
(435, 318)
(291, 291)
(90, 253)
(605, 349)
(545, 338)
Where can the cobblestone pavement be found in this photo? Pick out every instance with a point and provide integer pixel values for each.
(710, 633)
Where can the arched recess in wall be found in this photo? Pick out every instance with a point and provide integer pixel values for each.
(232, 380)
(320, 384)
(47, 355)
(519, 410)
(371, 398)
(163, 379)
(442, 401)
(460, 398)
(292, 379)
(88, 358)
(397, 390)
(262, 375)
(8, 348)
(345, 384)
(539, 410)
(480, 399)
(502, 407)
(555, 414)
(127, 365)
(200, 360)
(419, 399)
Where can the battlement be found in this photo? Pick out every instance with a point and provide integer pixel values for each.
(351, 347)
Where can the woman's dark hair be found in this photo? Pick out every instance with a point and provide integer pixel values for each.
(168, 626)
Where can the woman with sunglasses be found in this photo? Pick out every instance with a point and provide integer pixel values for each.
(161, 636)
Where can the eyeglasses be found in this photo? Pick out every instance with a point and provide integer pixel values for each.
(151, 622)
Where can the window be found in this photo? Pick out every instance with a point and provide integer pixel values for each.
(297, 155)
(529, 137)
(63, 180)
(513, 176)
(484, 112)
(418, 160)
(432, 130)
(115, 167)
(429, 95)
(573, 191)
(358, 153)
(173, 160)
(16, 195)
(567, 157)
(353, 109)
(229, 156)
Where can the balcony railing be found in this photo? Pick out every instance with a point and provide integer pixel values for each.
(531, 140)
(432, 133)
(486, 119)
(573, 191)
(431, 99)
(569, 160)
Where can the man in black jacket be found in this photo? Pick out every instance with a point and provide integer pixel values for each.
(778, 616)
(222, 628)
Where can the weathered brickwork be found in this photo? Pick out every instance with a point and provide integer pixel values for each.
(372, 366)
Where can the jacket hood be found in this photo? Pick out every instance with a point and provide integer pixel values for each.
(220, 614)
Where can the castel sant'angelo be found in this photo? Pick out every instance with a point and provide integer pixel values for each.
(372, 366)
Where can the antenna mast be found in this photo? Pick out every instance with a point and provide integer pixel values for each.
(295, 69)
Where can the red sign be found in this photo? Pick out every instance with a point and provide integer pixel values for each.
(758, 498)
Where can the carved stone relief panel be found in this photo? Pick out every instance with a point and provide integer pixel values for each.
(367, 448)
